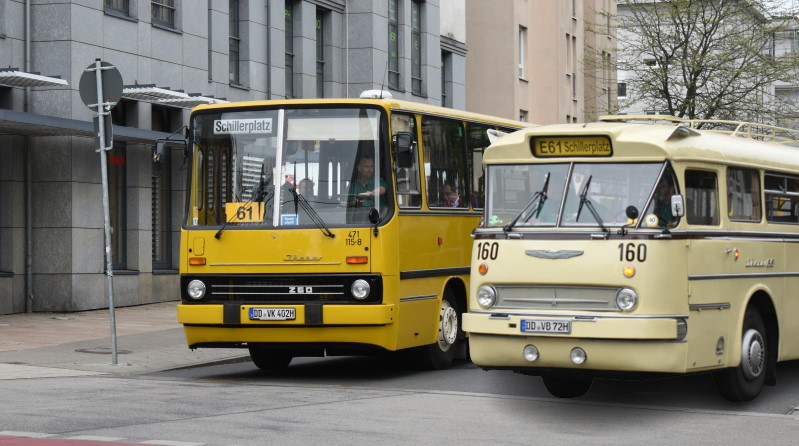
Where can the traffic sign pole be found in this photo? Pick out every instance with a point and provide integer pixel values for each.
(103, 109)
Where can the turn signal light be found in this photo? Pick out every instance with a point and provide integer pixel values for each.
(197, 261)
(357, 260)
(482, 269)
(629, 271)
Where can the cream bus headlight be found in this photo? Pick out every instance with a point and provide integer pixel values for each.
(486, 296)
(196, 289)
(360, 289)
(626, 299)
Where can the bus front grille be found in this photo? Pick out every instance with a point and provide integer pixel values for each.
(283, 289)
(529, 297)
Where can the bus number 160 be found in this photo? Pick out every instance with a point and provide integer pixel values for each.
(487, 250)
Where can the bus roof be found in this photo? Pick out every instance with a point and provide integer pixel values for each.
(388, 103)
(658, 138)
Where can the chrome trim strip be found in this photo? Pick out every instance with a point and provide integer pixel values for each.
(413, 298)
(275, 264)
(700, 307)
(740, 275)
(578, 316)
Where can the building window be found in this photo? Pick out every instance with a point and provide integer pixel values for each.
(289, 14)
(120, 7)
(235, 43)
(117, 204)
(446, 78)
(621, 89)
(523, 115)
(164, 12)
(393, 45)
(164, 119)
(320, 53)
(522, 50)
(416, 47)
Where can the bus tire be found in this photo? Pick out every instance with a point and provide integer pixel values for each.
(439, 355)
(566, 386)
(270, 359)
(744, 382)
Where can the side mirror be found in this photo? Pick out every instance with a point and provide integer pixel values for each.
(159, 152)
(403, 148)
(374, 216)
(677, 206)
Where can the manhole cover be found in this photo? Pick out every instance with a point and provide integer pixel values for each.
(101, 350)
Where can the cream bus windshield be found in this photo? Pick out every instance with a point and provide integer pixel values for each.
(287, 168)
(568, 194)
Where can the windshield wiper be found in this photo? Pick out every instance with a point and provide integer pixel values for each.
(587, 202)
(261, 193)
(318, 221)
(538, 199)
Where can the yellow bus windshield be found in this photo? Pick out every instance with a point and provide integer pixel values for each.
(289, 167)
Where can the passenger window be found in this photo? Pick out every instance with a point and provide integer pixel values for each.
(701, 197)
(743, 194)
(409, 193)
(782, 198)
(476, 143)
(445, 164)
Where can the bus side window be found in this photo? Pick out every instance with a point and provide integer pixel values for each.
(701, 197)
(743, 194)
(445, 162)
(476, 143)
(408, 192)
(782, 198)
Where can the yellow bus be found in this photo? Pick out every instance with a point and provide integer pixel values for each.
(639, 246)
(331, 227)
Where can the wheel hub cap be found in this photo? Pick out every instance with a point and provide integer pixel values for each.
(448, 326)
(753, 356)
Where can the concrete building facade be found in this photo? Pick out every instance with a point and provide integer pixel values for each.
(172, 55)
(541, 61)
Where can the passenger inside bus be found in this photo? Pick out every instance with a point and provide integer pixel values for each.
(662, 205)
(362, 190)
(451, 198)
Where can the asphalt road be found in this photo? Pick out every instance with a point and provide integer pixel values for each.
(375, 401)
(693, 392)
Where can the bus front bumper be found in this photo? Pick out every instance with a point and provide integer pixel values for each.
(211, 324)
(618, 344)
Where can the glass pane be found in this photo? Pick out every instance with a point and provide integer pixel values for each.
(517, 188)
(329, 164)
(743, 194)
(701, 198)
(445, 163)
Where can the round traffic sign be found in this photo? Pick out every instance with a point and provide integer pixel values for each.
(111, 83)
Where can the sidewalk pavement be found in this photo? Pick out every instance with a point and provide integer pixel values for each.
(149, 339)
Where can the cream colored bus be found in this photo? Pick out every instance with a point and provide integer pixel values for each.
(637, 246)
(319, 227)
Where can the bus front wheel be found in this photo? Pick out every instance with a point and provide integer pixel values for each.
(566, 386)
(440, 354)
(743, 383)
(270, 359)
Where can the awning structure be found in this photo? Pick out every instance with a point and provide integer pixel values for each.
(165, 96)
(12, 77)
(30, 124)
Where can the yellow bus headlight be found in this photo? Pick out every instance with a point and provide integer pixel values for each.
(196, 289)
(626, 299)
(486, 296)
(360, 289)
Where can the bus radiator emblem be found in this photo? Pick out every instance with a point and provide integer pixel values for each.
(544, 254)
